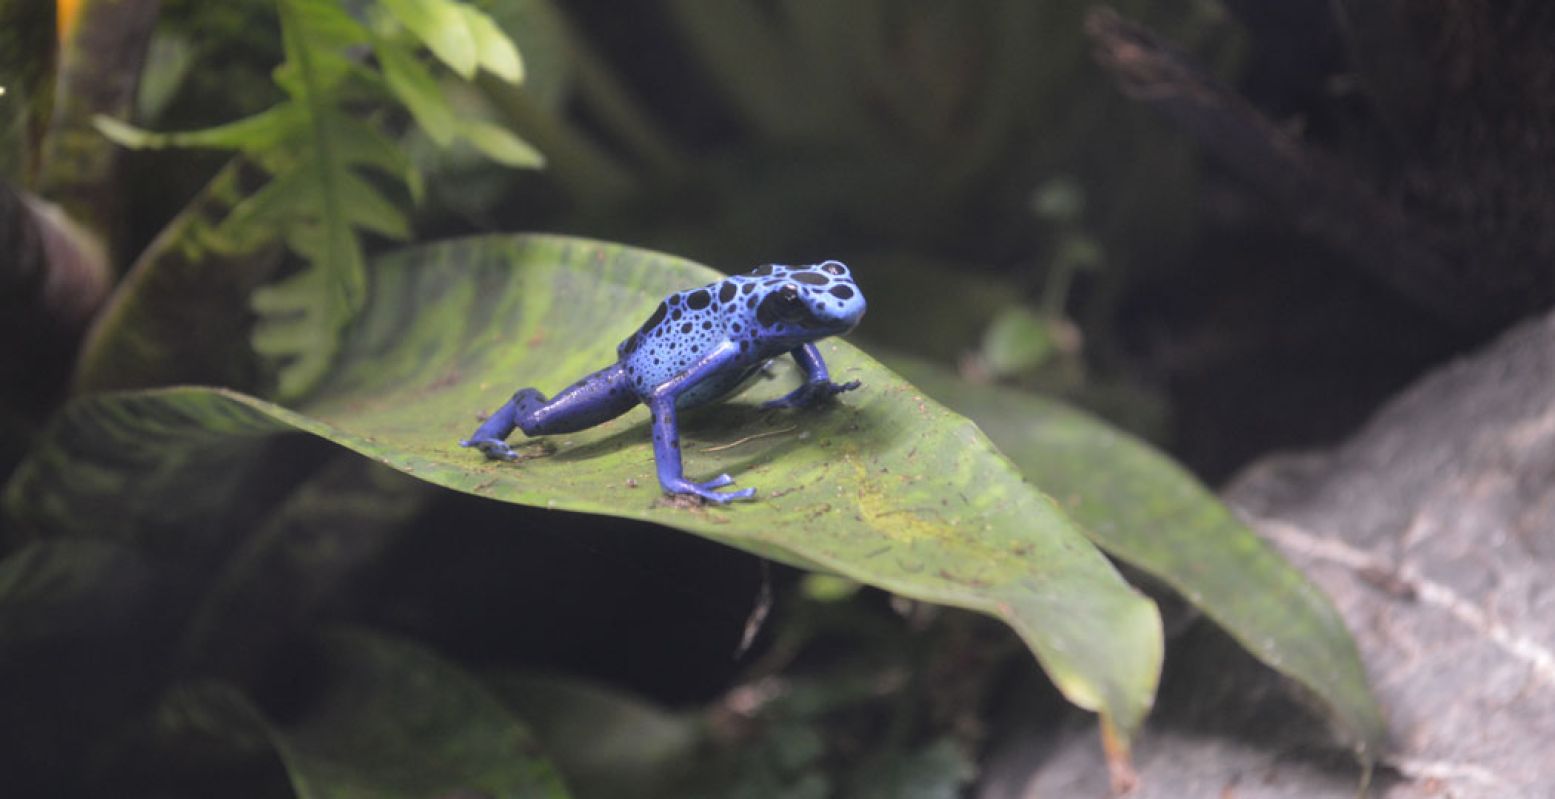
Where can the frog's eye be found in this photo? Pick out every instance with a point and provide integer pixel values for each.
(834, 268)
(790, 308)
(782, 305)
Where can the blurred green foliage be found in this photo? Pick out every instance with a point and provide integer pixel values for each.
(995, 195)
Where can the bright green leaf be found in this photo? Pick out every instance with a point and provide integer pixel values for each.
(500, 144)
(494, 50)
(443, 27)
(887, 488)
(1149, 512)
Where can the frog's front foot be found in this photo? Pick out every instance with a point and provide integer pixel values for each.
(706, 490)
(495, 449)
(811, 394)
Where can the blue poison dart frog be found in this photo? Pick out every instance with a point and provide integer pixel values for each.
(698, 347)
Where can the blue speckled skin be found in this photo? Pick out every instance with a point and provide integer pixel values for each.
(698, 347)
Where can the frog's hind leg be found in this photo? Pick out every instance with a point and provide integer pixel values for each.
(595, 399)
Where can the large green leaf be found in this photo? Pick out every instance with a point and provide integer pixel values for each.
(393, 721)
(1146, 510)
(400, 722)
(887, 488)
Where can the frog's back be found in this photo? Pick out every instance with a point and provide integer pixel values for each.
(684, 328)
(764, 313)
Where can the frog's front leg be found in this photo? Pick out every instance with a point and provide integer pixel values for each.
(597, 398)
(666, 430)
(817, 387)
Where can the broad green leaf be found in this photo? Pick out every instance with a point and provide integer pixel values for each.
(196, 275)
(1149, 512)
(605, 742)
(395, 721)
(44, 575)
(401, 722)
(887, 488)
(443, 28)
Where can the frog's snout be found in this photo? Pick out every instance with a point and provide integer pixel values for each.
(853, 314)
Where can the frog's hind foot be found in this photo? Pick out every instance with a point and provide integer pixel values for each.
(493, 449)
(707, 491)
(491, 437)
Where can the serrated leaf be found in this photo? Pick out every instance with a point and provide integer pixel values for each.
(414, 85)
(366, 208)
(495, 52)
(297, 326)
(361, 144)
(316, 35)
(443, 27)
(500, 144)
(261, 131)
(1152, 514)
(888, 488)
(328, 240)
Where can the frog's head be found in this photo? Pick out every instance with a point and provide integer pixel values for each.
(809, 302)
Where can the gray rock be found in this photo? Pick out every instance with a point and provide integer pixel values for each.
(1433, 529)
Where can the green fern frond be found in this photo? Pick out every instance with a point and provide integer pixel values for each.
(317, 198)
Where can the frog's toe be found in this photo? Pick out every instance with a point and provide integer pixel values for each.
(717, 482)
(492, 448)
(724, 497)
(811, 394)
(707, 490)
